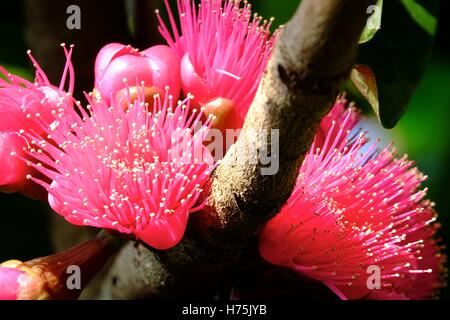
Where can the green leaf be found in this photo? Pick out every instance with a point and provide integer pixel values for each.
(398, 56)
(364, 81)
(282, 13)
(422, 17)
(373, 22)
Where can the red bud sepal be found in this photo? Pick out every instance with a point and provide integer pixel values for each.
(60, 276)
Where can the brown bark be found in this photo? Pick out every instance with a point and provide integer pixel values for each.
(312, 59)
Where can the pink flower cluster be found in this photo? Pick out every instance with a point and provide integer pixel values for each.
(127, 163)
(133, 160)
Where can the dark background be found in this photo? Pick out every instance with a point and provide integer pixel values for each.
(423, 132)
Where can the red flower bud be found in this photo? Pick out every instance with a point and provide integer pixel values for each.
(118, 65)
(47, 278)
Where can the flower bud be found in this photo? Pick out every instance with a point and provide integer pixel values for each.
(192, 82)
(48, 277)
(118, 66)
(19, 282)
(108, 53)
(226, 116)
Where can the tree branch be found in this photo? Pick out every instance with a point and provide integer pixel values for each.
(312, 59)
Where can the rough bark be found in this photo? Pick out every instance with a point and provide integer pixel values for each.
(313, 57)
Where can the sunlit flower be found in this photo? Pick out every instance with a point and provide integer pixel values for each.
(138, 170)
(223, 52)
(353, 210)
(24, 107)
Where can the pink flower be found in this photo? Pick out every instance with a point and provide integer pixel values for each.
(24, 108)
(116, 64)
(352, 211)
(336, 114)
(223, 52)
(47, 277)
(136, 170)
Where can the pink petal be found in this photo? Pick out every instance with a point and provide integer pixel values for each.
(164, 233)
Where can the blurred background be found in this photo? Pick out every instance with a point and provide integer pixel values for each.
(422, 63)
